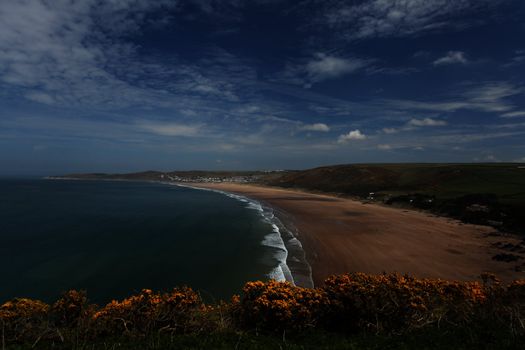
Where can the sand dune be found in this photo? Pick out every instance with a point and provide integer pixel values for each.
(342, 235)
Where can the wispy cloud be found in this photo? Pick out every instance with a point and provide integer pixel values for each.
(315, 127)
(448, 139)
(321, 67)
(452, 57)
(516, 60)
(379, 18)
(415, 123)
(60, 48)
(71, 53)
(40, 97)
(513, 114)
(384, 147)
(324, 67)
(172, 129)
(493, 92)
(487, 97)
(390, 130)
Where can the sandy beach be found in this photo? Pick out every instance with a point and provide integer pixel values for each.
(342, 235)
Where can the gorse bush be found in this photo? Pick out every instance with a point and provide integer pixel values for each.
(71, 309)
(72, 319)
(398, 303)
(278, 306)
(23, 319)
(149, 311)
(347, 304)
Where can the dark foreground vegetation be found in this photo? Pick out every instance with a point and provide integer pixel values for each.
(489, 194)
(353, 311)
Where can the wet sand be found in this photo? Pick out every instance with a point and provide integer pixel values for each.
(342, 235)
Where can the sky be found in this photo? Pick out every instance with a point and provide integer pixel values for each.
(131, 85)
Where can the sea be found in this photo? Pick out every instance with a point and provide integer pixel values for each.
(114, 238)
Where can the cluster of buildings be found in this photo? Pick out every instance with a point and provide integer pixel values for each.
(211, 179)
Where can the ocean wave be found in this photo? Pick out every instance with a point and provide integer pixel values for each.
(273, 239)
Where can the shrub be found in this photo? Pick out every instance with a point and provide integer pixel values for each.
(148, 311)
(396, 303)
(71, 309)
(23, 319)
(350, 303)
(280, 306)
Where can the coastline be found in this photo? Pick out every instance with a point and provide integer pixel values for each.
(342, 235)
(294, 267)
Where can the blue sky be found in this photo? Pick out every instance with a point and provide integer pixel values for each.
(128, 85)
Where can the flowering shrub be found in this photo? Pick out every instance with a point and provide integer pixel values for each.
(356, 302)
(390, 303)
(71, 309)
(23, 319)
(396, 302)
(147, 311)
(276, 305)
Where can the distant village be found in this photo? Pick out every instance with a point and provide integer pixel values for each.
(215, 178)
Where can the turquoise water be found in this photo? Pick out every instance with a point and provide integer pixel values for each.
(115, 238)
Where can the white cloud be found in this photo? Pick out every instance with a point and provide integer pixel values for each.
(315, 127)
(452, 57)
(426, 122)
(513, 114)
(172, 129)
(352, 135)
(384, 147)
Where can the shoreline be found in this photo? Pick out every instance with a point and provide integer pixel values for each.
(342, 235)
(296, 265)
(296, 268)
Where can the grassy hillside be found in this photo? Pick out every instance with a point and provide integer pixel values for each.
(481, 193)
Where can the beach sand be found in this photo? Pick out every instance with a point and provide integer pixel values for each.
(342, 235)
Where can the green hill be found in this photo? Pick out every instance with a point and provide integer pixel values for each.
(491, 194)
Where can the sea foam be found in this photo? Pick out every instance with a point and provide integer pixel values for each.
(273, 239)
